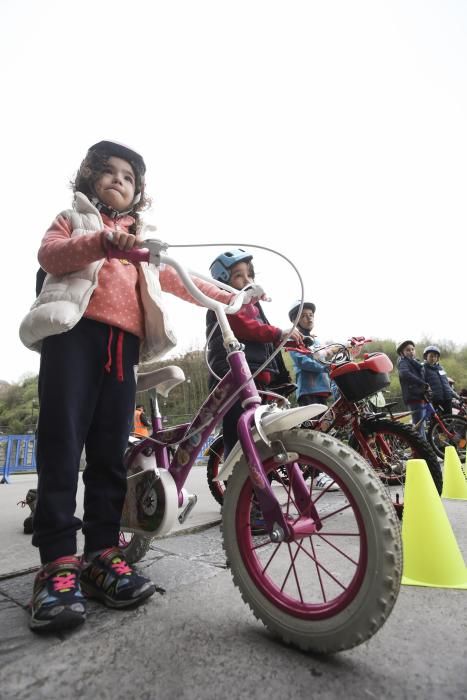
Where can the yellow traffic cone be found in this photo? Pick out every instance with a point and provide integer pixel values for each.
(454, 483)
(431, 554)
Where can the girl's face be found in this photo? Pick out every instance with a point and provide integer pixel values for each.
(240, 275)
(115, 187)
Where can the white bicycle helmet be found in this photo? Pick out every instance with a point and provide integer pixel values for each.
(295, 307)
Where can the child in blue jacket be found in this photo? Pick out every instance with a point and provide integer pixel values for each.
(311, 376)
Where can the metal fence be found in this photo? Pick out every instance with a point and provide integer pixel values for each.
(17, 454)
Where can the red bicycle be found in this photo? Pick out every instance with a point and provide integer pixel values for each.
(386, 444)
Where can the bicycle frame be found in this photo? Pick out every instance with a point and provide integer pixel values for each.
(432, 415)
(189, 437)
(347, 414)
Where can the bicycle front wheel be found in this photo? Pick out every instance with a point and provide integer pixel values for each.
(329, 590)
(456, 427)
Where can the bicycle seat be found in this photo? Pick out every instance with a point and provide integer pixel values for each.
(163, 380)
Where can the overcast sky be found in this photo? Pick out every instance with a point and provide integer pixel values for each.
(334, 132)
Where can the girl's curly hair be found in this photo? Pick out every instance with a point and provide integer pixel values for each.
(92, 168)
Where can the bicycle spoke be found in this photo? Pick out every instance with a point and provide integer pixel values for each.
(337, 549)
(321, 566)
(318, 572)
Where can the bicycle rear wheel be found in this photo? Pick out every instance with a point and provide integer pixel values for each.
(391, 444)
(330, 589)
(134, 546)
(457, 427)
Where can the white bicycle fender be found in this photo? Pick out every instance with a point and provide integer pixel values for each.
(273, 422)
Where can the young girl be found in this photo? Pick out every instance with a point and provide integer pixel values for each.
(251, 327)
(93, 322)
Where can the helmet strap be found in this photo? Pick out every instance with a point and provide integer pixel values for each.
(109, 211)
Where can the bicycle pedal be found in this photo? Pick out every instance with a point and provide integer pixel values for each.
(192, 501)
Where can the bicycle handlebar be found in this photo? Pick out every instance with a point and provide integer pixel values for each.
(154, 253)
(342, 349)
(307, 342)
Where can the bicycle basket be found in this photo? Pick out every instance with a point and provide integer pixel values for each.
(358, 380)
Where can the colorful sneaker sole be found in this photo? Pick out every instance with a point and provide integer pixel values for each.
(67, 619)
(97, 593)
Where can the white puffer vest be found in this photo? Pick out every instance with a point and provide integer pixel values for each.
(63, 300)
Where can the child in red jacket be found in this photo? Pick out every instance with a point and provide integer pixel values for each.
(251, 327)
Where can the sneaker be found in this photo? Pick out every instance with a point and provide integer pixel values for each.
(28, 527)
(109, 578)
(324, 482)
(57, 602)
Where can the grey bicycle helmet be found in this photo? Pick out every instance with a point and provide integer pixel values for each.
(295, 307)
(221, 266)
(401, 344)
(431, 348)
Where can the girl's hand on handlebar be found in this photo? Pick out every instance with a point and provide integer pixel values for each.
(255, 293)
(120, 239)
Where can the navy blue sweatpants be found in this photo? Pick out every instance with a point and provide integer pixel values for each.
(83, 405)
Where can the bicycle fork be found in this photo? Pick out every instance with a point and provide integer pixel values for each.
(280, 528)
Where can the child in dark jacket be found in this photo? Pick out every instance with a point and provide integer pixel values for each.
(438, 380)
(251, 328)
(413, 383)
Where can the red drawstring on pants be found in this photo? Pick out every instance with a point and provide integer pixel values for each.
(118, 355)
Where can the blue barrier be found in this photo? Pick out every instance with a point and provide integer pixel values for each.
(17, 454)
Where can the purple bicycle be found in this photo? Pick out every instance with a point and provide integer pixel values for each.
(322, 570)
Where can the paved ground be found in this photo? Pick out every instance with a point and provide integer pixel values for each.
(18, 555)
(199, 640)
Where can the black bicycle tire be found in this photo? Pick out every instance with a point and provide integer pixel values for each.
(420, 446)
(446, 418)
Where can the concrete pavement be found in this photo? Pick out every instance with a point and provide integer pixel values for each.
(199, 640)
(18, 556)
